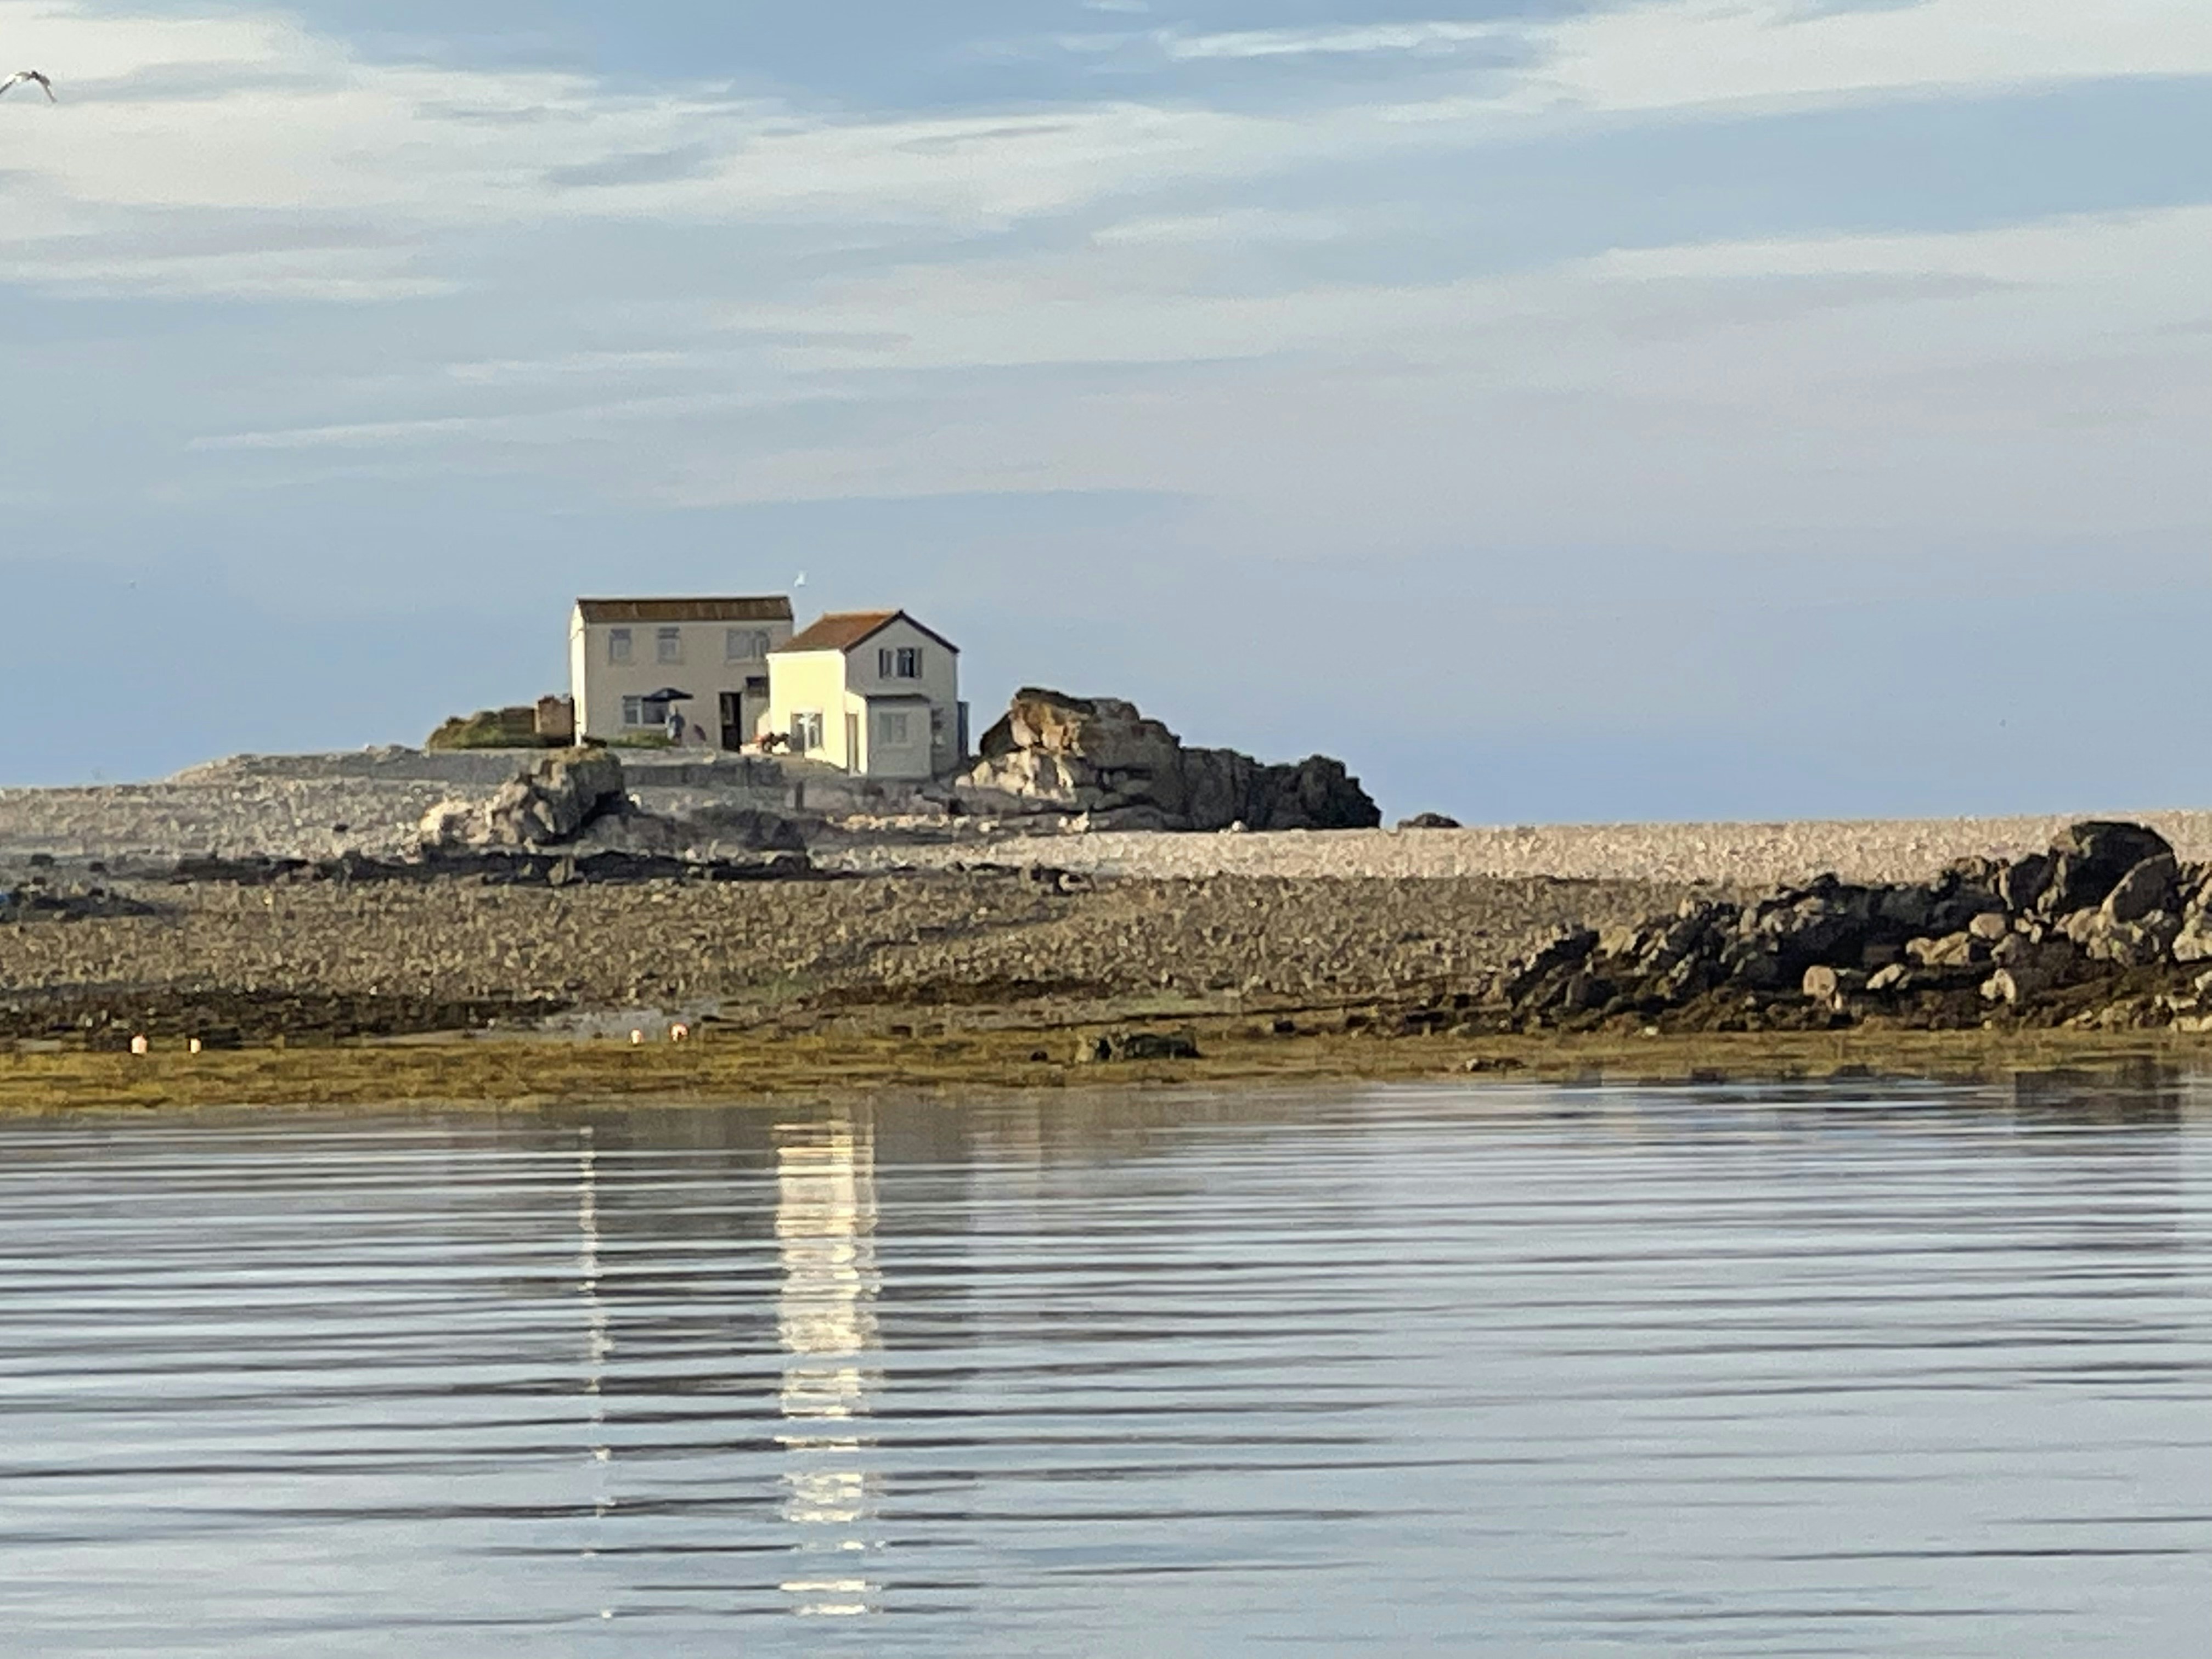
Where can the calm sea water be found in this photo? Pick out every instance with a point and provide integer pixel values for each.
(1530, 1371)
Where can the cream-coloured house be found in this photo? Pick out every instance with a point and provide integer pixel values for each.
(623, 652)
(871, 691)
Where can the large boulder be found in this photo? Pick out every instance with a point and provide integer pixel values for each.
(1101, 758)
(543, 807)
(2090, 858)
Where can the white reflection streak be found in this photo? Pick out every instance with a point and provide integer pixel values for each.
(597, 1344)
(825, 1223)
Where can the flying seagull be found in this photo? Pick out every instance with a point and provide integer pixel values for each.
(21, 76)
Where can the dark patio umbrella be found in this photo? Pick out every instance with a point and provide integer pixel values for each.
(669, 694)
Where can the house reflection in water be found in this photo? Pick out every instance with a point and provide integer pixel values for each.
(825, 1226)
(598, 1344)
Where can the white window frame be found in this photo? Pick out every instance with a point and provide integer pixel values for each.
(668, 645)
(906, 663)
(894, 728)
(743, 644)
(632, 714)
(619, 645)
(806, 737)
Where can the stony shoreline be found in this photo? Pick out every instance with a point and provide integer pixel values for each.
(115, 922)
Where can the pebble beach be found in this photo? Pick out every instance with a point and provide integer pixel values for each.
(954, 914)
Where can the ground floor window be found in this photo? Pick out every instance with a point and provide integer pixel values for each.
(894, 729)
(636, 711)
(806, 731)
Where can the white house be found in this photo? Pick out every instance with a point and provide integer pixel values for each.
(622, 652)
(871, 691)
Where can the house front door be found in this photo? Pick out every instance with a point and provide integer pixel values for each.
(734, 720)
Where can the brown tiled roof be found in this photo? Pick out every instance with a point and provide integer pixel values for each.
(764, 607)
(841, 630)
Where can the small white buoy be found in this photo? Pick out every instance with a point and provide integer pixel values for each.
(139, 1045)
(637, 1039)
(193, 1047)
(678, 1032)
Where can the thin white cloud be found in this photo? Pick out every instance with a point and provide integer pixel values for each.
(1143, 300)
(1245, 227)
(563, 423)
(1687, 53)
(1330, 42)
(2163, 253)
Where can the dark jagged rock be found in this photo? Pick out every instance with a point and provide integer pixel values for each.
(2090, 858)
(1138, 1045)
(35, 901)
(1100, 758)
(2108, 929)
(1428, 821)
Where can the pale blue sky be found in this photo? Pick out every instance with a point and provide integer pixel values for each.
(1703, 407)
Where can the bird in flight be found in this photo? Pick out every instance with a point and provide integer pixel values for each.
(21, 76)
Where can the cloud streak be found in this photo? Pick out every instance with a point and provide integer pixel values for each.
(227, 114)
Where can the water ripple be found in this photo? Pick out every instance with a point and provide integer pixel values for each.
(1711, 1371)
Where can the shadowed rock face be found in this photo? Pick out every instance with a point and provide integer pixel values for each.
(1099, 757)
(2089, 860)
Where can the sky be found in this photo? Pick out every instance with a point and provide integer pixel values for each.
(1669, 410)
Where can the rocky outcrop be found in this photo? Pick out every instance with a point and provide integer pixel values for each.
(1101, 761)
(2108, 929)
(543, 807)
(1428, 821)
(1122, 1046)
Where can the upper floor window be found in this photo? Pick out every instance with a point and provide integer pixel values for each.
(618, 645)
(900, 663)
(743, 644)
(668, 644)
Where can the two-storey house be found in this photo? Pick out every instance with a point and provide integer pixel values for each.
(625, 654)
(871, 691)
